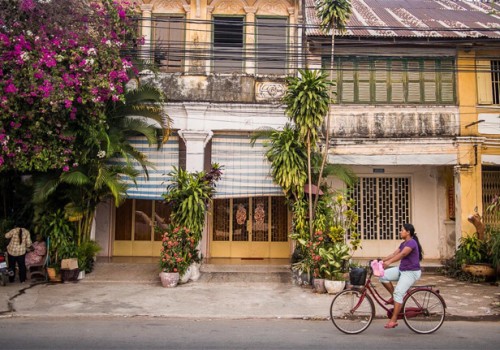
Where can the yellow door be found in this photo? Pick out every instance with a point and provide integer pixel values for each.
(134, 229)
(253, 227)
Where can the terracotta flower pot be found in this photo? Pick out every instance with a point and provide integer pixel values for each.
(169, 279)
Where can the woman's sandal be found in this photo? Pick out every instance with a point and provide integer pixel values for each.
(390, 302)
(391, 325)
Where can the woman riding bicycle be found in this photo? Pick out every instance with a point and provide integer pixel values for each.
(410, 253)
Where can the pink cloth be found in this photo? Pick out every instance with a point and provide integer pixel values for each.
(36, 256)
(378, 268)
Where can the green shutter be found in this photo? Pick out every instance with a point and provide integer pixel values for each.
(447, 91)
(397, 82)
(381, 81)
(347, 82)
(430, 81)
(414, 82)
(364, 82)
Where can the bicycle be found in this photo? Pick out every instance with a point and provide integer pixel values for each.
(353, 310)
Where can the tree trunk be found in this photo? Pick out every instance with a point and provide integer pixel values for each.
(327, 133)
(310, 187)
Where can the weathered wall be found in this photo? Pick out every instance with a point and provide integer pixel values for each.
(221, 88)
(393, 121)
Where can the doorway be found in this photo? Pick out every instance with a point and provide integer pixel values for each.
(250, 227)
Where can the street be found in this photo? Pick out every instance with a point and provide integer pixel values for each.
(181, 333)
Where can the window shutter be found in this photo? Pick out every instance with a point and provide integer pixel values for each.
(430, 86)
(169, 43)
(364, 73)
(414, 70)
(347, 82)
(271, 45)
(484, 83)
(381, 81)
(447, 82)
(397, 82)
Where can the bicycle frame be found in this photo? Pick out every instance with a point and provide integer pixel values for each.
(369, 288)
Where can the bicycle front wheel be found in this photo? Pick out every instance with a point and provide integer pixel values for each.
(352, 311)
(424, 311)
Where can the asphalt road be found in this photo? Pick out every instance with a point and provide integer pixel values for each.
(170, 333)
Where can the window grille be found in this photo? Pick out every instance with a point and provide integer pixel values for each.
(491, 188)
(495, 81)
(383, 205)
(221, 220)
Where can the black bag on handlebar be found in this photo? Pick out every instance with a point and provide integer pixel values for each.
(357, 276)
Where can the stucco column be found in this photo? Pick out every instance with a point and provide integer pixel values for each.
(146, 30)
(468, 184)
(250, 49)
(195, 140)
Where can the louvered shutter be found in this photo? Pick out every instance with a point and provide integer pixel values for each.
(413, 73)
(484, 83)
(447, 82)
(364, 74)
(347, 82)
(381, 81)
(397, 82)
(430, 86)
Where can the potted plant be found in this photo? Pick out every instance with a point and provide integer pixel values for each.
(86, 253)
(60, 241)
(472, 255)
(335, 261)
(175, 254)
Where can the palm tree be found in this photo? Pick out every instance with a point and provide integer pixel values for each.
(334, 15)
(85, 185)
(288, 159)
(307, 102)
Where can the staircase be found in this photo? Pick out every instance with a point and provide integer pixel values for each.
(239, 270)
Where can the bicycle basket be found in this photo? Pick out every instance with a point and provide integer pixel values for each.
(357, 276)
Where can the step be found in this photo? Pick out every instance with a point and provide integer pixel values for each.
(246, 277)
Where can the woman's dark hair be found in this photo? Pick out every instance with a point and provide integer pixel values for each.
(20, 235)
(411, 230)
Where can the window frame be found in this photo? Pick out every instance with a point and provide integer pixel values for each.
(182, 47)
(225, 69)
(406, 72)
(285, 25)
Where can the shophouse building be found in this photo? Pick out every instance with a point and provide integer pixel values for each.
(415, 116)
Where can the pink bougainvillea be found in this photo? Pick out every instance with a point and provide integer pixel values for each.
(61, 62)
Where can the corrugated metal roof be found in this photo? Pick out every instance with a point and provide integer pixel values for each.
(416, 18)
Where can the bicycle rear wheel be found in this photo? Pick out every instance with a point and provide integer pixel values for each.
(424, 311)
(352, 312)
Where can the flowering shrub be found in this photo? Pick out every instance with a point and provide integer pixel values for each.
(60, 64)
(177, 249)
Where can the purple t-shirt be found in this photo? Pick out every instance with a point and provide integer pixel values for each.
(411, 262)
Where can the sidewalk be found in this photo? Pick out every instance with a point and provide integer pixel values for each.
(141, 294)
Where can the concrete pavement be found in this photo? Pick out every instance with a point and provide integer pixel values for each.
(129, 290)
